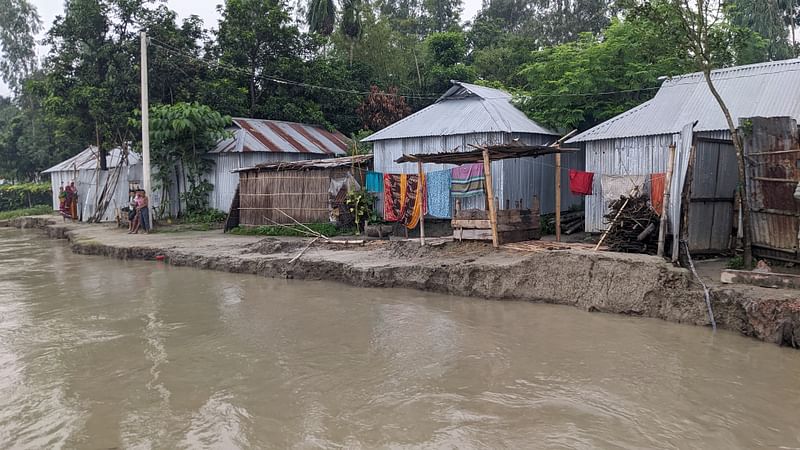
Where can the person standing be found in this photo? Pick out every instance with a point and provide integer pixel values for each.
(142, 213)
(72, 200)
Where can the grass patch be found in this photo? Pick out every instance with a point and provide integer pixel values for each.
(326, 229)
(35, 211)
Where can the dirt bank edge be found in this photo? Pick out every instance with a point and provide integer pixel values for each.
(603, 282)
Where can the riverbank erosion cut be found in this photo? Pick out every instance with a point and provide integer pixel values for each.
(607, 282)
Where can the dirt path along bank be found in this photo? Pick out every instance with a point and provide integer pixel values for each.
(607, 282)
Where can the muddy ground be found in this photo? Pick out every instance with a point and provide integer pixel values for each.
(607, 282)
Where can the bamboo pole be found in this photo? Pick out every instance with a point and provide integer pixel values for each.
(662, 229)
(421, 190)
(614, 222)
(558, 197)
(487, 169)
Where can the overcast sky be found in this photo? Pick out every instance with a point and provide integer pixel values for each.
(206, 9)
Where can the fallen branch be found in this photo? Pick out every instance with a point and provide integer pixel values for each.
(291, 261)
(302, 225)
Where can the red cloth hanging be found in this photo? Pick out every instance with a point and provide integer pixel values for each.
(580, 183)
(657, 181)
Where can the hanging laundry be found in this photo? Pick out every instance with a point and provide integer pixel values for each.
(374, 182)
(393, 193)
(438, 187)
(414, 201)
(616, 186)
(580, 183)
(467, 180)
(657, 181)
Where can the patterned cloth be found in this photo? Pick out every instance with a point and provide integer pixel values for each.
(438, 186)
(467, 180)
(400, 194)
(393, 193)
(374, 182)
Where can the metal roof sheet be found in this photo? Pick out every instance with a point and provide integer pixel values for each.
(89, 160)
(464, 109)
(757, 90)
(261, 135)
(329, 163)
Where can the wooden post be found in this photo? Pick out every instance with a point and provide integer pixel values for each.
(421, 190)
(662, 229)
(487, 169)
(686, 202)
(558, 197)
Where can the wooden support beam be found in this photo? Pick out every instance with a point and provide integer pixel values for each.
(421, 190)
(558, 197)
(487, 169)
(662, 229)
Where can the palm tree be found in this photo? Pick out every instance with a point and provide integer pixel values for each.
(351, 25)
(321, 16)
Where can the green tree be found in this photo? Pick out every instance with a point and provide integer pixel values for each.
(182, 134)
(446, 54)
(321, 16)
(352, 24)
(257, 36)
(768, 18)
(19, 23)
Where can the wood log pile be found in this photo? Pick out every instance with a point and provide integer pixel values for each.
(636, 228)
(571, 222)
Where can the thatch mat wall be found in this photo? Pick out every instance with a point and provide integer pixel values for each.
(302, 194)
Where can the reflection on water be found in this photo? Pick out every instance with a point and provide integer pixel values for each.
(100, 354)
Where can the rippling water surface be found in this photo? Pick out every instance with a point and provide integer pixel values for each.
(97, 353)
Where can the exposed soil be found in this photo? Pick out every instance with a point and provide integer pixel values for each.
(630, 284)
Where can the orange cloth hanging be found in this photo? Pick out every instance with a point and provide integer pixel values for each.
(420, 203)
(657, 181)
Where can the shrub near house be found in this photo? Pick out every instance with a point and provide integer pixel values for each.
(24, 195)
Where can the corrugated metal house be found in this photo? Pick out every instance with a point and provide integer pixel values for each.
(83, 169)
(260, 141)
(685, 113)
(475, 115)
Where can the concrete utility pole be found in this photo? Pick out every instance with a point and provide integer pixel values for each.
(146, 128)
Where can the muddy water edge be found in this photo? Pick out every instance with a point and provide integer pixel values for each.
(101, 353)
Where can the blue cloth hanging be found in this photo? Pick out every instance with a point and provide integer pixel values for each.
(438, 185)
(374, 182)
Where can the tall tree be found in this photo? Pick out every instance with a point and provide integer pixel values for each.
(19, 24)
(768, 19)
(257, 36)
(321, 16)
(352, 26)
(699, 22)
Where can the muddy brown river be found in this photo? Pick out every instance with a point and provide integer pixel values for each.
(98, 353)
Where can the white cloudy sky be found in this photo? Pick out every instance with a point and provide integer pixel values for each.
(206, 9)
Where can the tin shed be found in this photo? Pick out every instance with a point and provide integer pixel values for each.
(683, 112)
(466, 115)
(262, 141)
(83, 169)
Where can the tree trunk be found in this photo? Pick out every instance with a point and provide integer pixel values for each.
(737, 143)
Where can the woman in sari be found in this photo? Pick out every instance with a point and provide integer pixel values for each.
(142, 213)
(62, 202)
(72, 200)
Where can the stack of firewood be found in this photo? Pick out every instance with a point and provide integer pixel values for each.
(571, 222)
(636, 227)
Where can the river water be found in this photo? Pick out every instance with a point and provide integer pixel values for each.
(98, 353)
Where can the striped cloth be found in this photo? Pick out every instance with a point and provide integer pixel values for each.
(467, 180)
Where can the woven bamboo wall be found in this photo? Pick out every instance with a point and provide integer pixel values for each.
(302, 194)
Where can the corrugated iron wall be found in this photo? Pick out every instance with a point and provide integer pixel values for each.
(773, 173)
(89, 188)
(627, 156)
(513, 180)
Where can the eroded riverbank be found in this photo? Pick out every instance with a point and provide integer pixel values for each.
(604, 282)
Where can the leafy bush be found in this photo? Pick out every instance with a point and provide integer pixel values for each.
(38, 210)
(326, 229)
(205, 216)
(736, 263)
(24, 195)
